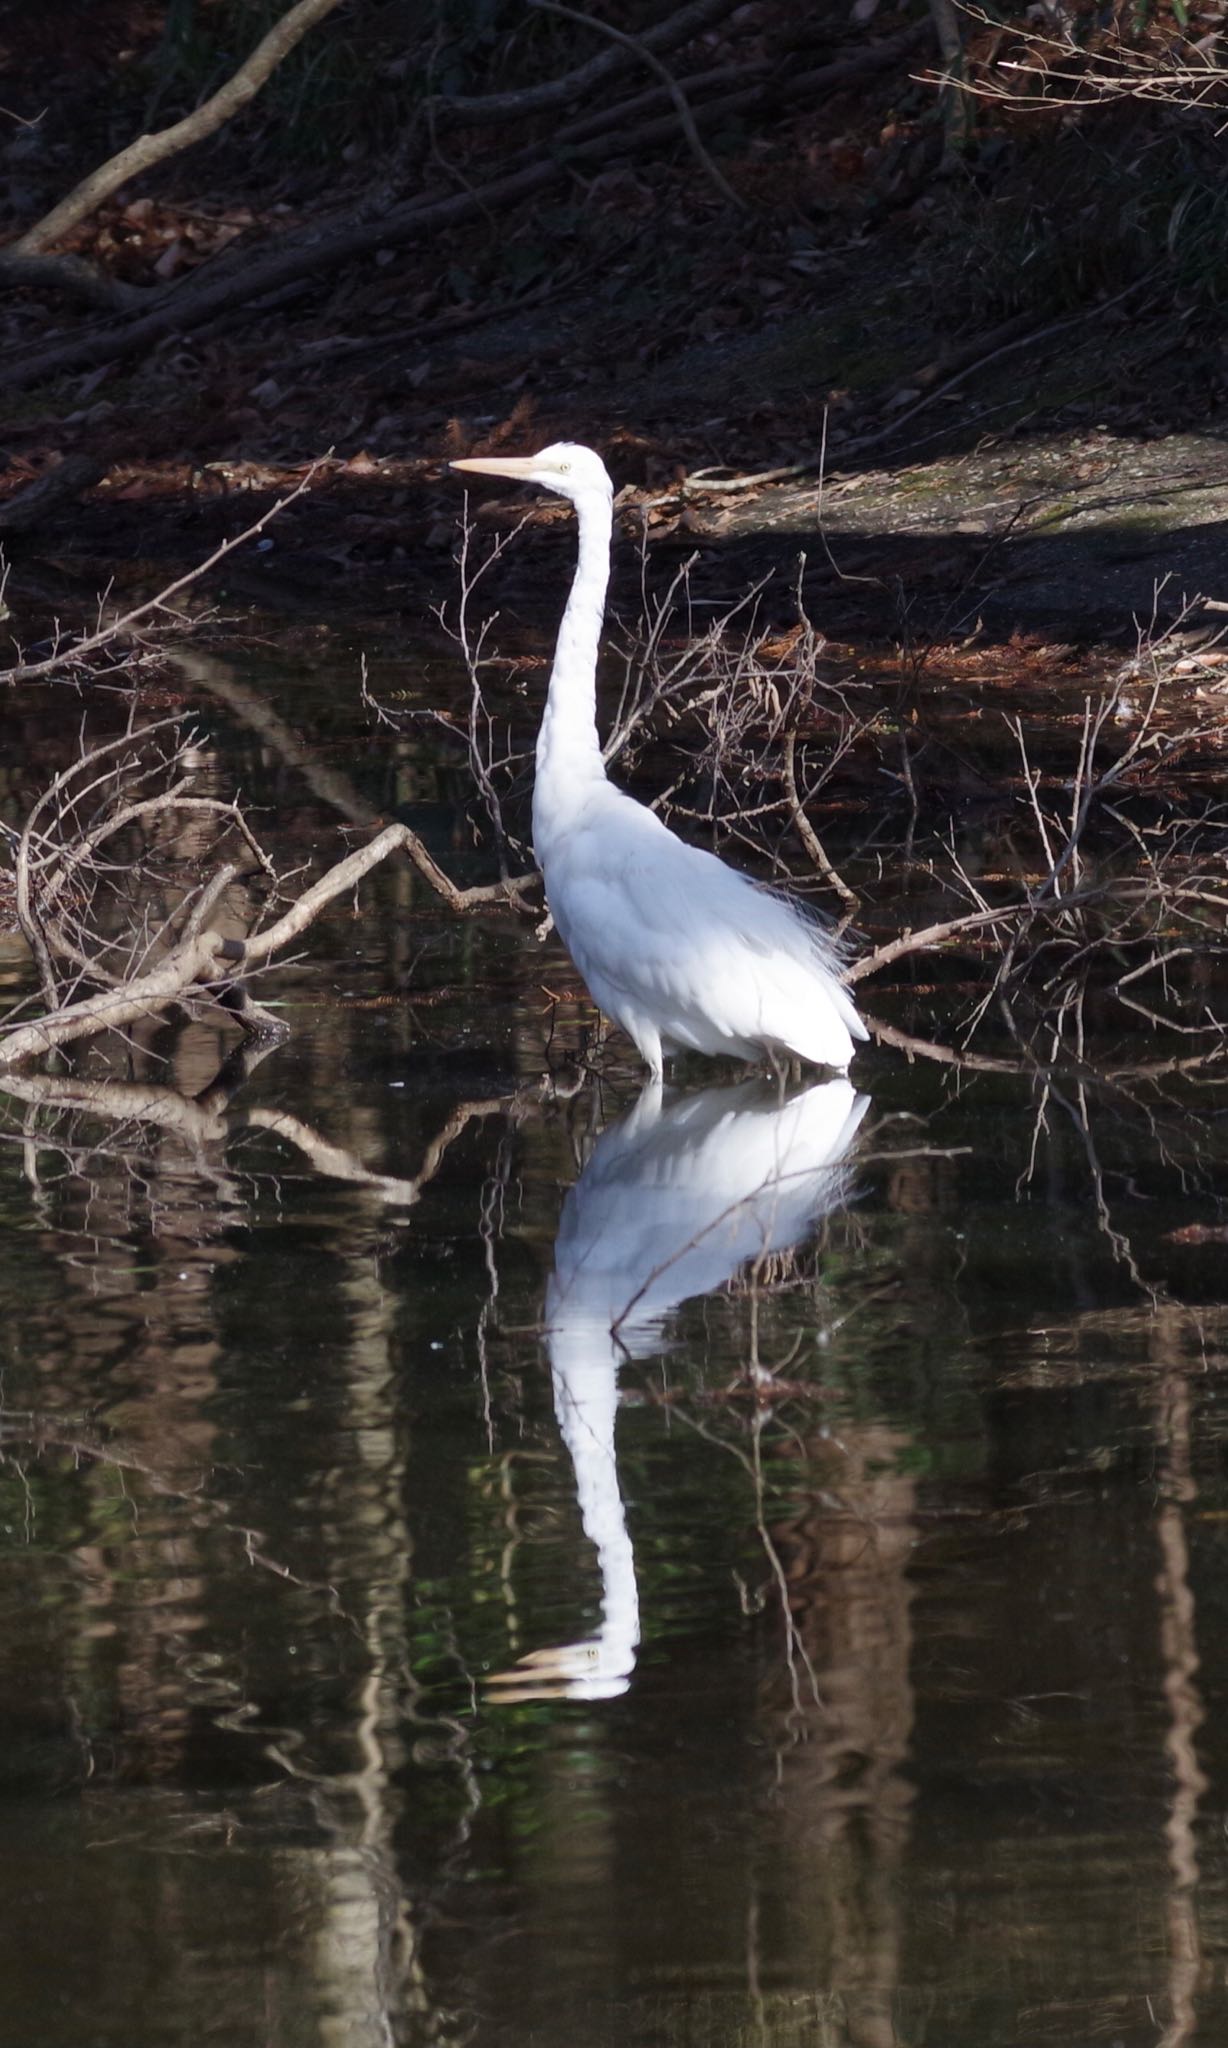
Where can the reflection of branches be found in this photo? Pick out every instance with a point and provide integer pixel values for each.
(252, 709)
(36, 1434)
(795, 1645)
(796, 1653)
(208, 1121)
(718, 1224)
(1179, 1647)
(1077, 1112)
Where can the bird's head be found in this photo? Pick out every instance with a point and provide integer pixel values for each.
(565, 466)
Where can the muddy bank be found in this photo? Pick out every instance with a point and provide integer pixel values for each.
(1081, 534)
(1084, 536)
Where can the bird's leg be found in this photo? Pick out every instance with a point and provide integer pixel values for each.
(647, 1041)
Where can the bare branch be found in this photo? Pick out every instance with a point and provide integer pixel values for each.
(199, 960)
(350, 871)
(232, 282)
(679, 98)
(1057, 73)
(107, 636)
(571, 88)
(206, 961)
(148, 150)
(805, 830)
(930, 938)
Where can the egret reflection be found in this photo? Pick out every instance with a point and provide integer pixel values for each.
(674, 1200)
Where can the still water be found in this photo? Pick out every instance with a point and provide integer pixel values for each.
(515, 1565)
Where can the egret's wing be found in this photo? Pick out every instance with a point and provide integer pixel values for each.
(671, 928)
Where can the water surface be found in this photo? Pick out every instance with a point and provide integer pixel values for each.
(703, 1571)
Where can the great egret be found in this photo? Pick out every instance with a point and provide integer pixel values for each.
(679, 949)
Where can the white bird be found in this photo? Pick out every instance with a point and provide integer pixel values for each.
(679, 949)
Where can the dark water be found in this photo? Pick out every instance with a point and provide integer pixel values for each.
(710, 1572)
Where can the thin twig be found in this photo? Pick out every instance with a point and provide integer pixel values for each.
(929, 938)
(805, 830)
(29, 671)
(679, 98)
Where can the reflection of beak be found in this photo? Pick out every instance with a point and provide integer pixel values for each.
(519, 466)
(567, 1671)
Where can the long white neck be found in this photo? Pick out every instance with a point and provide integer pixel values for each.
(568, 749)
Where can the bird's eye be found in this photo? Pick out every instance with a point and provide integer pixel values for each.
(563, 468)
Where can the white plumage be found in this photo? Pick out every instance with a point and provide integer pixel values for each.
(679, 949)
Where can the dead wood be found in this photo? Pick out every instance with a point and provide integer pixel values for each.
(91, 844)
(232, 280)
(349, 872)
(681, 104)
(237, 279)
(931, 937)
(805, 830)
(1051, 65)
(600, 120)
(915, 1048)
(201, 961)
(148, 150)
(71, 276)
(60, 485)
(197, 962)
(486, 110)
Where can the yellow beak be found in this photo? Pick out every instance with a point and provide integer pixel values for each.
(519, 466)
